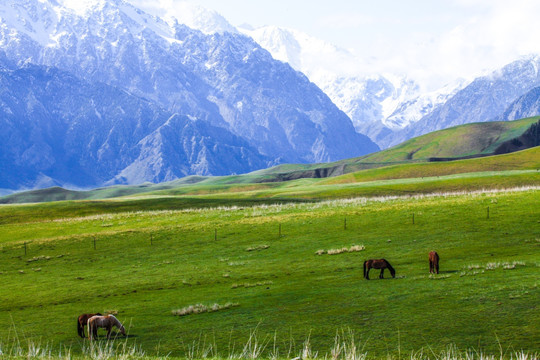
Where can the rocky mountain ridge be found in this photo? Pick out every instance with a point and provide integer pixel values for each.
(237, 95)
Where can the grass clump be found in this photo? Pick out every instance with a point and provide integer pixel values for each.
(201, 308)
(354, 248)
(257, 247)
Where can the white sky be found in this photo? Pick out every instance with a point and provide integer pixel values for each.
(431, 41)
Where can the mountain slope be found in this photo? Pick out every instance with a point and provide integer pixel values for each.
(224, 80)
(485, 99)
(57, 129)
(525, 106)
(377, 104)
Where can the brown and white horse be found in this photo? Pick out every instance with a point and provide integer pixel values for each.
(378, 264)
(106, 322)
(82, 320)
(433, 262)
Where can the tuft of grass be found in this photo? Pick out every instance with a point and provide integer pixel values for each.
(258, 247)
(201, 308)
(38, 258)
(354, 248)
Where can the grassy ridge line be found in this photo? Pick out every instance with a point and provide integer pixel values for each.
(295, 191)
(500, 165)
(458, 141)
(521, 160)
(470, 139)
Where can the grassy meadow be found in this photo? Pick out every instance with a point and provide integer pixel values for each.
(284, 271)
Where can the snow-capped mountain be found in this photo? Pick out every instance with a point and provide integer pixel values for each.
(58, 129)
(378, 104)
(527, 105)
(225, 80)
(487, 98)
(193, 16)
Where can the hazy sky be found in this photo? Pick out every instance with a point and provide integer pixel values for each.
(430, 40)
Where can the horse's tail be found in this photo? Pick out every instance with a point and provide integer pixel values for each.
(80, 329)
(392, 270)
(365, 268)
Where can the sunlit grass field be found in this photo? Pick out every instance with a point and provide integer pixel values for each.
(146, 257)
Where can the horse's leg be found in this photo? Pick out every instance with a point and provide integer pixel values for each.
(437, 267)
(367, 273)
(381, 274)
(109, 328)
(430, 267)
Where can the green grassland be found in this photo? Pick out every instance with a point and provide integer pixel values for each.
(157, 254)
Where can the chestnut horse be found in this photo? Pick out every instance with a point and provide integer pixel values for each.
(107, 322)
(82, 321)
(378, 264)
(433, 262)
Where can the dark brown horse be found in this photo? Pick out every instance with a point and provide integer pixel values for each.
(433, 262)
(378, 264)
(82, 321)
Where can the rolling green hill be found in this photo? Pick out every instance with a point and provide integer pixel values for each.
(482, 142)
(464, 141)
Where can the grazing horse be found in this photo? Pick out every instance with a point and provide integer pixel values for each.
(107, 322)
(433, 262)
(82, 321)
(378, 264)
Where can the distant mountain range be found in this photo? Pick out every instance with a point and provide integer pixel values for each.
(391, 109)
(486, 98)
(122, 92)
(111, 94)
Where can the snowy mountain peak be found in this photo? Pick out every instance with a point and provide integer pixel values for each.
(36, 19)
(314, 57)
(114, 93)
(193, 16)
(376, 103)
